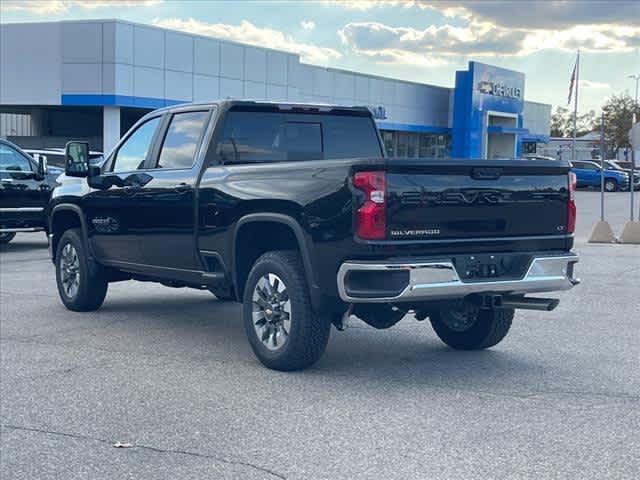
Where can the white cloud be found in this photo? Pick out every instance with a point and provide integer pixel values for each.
(56, 7)
(536, 14)
(433, 44)
(308, 24)
(247, 32)
(594, 85)
(369, 4)
(542, 14)
(438, 44)
(600, 38)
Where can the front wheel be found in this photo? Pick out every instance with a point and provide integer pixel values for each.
(7, 237)
(82, 287)
(465, 327)
(610, 185)
(283, 330)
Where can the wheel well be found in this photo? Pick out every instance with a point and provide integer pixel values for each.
(254, 239)
(62, 221)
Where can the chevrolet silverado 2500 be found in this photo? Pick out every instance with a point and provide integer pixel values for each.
(295, 211)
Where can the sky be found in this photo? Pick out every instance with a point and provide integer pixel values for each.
(418, 40)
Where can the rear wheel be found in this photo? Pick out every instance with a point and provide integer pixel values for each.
(82, 287)
(6, 237)
(283, 330)
(610, 185)
(465, 327)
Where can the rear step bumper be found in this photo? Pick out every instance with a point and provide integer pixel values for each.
(415, 280)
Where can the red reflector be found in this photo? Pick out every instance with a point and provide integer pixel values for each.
(571, 205)
(371, 217)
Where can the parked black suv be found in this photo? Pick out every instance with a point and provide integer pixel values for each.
(294, 211)
(25, 190)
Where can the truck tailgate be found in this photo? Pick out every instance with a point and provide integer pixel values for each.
(461, 199)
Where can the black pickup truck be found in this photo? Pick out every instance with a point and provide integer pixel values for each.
(25, 188)
(294, 211)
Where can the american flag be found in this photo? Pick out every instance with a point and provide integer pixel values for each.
(573, 81)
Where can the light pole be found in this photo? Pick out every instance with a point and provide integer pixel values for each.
(636, 77)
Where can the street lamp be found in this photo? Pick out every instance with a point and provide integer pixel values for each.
(636, 77)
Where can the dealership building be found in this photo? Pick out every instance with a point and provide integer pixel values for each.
(92, 80)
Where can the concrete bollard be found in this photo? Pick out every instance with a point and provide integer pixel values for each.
(631, 233)
(602, 233)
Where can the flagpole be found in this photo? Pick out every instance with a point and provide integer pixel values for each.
(575, 109)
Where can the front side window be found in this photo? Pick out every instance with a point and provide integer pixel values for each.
(133, 152)
(11, 160)
(182, 139)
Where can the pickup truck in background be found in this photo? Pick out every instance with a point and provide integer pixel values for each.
(25, 189)
(294, 211)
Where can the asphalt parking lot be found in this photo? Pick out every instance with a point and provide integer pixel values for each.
(169, 372)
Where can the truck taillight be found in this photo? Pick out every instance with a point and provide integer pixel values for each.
(571, 206)
(371, 217)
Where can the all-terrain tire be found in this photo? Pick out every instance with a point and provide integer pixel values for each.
(488, 329)
(308, 332)
(92, 282)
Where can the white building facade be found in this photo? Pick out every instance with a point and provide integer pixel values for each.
(93, 79)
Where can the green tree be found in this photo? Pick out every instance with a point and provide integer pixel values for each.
(618, 113)
(562, 123)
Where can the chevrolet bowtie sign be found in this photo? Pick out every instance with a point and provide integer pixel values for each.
(499, 89)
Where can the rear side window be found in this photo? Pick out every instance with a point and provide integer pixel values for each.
(182, 139)
(266, 137)
(350, 137)
(11, 160)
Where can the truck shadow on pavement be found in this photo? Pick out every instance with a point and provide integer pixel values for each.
(410, 353)
(23, 246)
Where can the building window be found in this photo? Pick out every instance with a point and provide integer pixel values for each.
(389, 142)
(412, 145)
(416, 145)
(528, 148)
(402, 144)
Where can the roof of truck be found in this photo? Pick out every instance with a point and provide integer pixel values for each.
(228, 103)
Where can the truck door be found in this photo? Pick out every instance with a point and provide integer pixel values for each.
(116, 224)
(22, 196)
(166, 199)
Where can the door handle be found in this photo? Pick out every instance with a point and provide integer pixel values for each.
(131, 189)
(182, 188)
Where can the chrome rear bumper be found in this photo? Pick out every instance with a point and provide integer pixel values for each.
(438, 279)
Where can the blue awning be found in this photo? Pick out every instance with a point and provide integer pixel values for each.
(536, 137)
(511, 130)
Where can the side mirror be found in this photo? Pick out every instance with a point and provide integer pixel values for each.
(76, 159)
(42, 166)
